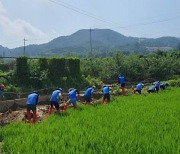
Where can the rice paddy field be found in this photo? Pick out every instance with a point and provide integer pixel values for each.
(148, 123)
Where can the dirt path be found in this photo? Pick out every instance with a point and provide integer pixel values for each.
(20, 115)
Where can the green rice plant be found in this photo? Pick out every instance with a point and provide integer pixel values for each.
(148, 123)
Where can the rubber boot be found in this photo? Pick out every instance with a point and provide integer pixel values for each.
(74, 107)
(103, 101)
(29, 116)
(50, 110)
(34, 116)
(123, 90)
(65, 106)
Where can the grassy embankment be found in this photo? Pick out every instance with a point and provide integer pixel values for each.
(132, 124)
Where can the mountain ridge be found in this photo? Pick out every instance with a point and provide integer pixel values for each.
(103, 40)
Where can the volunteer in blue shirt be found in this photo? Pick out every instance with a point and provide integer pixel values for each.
(54, 100)
(122, 81)
(152, 89)
(157, 85)
(72, 98)
(88, 95)
(163, 85)
(31, 103)
(106, 95)
(139, 87)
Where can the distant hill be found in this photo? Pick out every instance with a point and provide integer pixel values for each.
(103, 41)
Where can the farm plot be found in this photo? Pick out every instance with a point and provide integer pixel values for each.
(132, 124)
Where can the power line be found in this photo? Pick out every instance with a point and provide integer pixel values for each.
(86, 13)
(80, 11)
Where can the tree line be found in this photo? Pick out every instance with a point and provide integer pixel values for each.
(26, 74)
(135, 67)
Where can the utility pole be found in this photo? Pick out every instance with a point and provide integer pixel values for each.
(90, 30)
(24, 45)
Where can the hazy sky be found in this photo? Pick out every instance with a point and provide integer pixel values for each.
(40, 21)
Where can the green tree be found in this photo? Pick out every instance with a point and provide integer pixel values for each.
(22, 71)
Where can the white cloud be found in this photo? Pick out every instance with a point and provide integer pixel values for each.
(17, 29)
(2, 9)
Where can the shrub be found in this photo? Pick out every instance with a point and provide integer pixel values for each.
(12, 89)
(94, 81)
(22, 71)
(174, 83)
(56, 69)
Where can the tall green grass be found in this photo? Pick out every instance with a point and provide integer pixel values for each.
(148, 123)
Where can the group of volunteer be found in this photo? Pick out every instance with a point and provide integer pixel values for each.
(56, 99)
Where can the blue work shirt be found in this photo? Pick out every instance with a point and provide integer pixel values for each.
(54, 96)
(152, 88)
(32, 99)
(157, 84)
(88, 92)
(121, 79)
(105, 90)
(72, 94)
(162, 85)
(139, 86)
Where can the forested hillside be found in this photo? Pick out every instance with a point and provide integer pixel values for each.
(104, 43)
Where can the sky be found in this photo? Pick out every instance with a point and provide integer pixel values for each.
(39, 21)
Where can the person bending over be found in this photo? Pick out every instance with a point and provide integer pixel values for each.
(106, 95)
(31, 103)
(54, 100)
